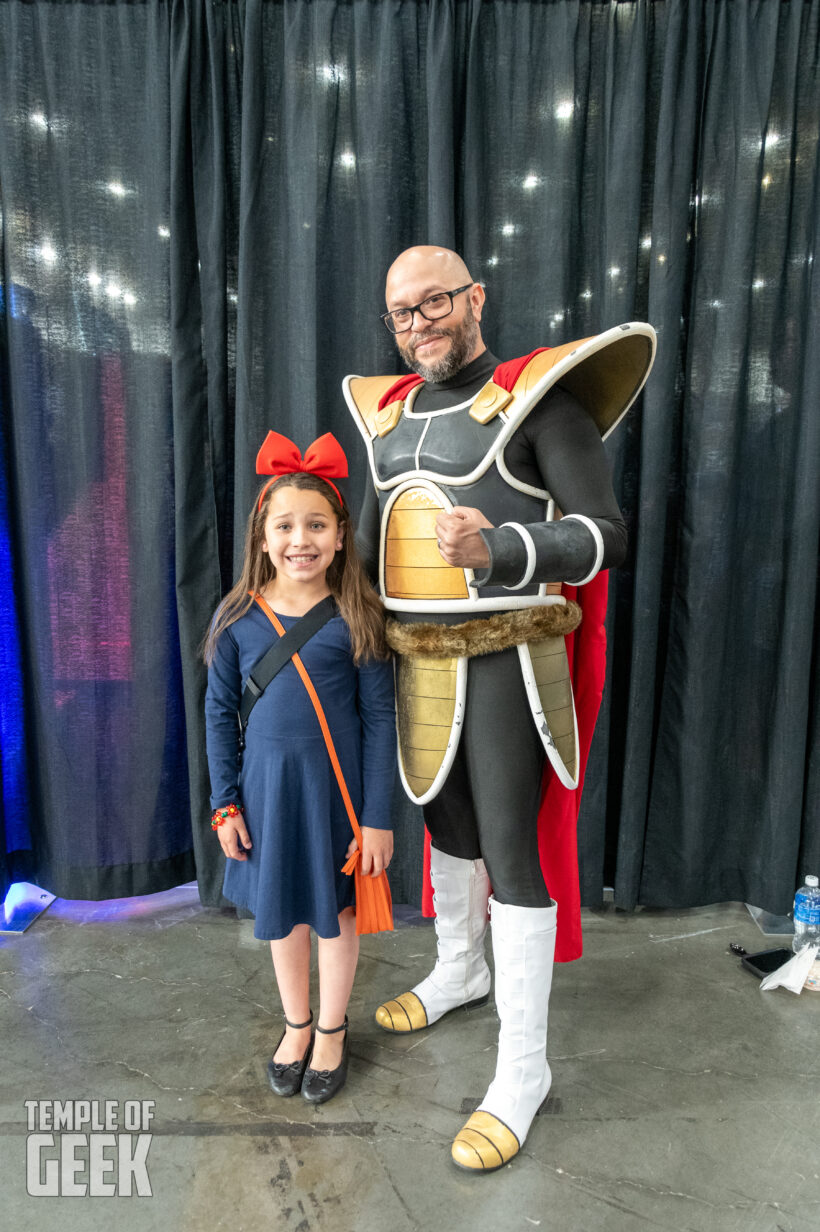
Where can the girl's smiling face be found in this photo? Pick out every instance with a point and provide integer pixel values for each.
(302, 534)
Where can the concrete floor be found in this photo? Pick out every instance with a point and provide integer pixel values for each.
(683, 1097)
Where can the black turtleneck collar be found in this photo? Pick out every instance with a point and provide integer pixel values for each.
(438, 395)
(481, 368)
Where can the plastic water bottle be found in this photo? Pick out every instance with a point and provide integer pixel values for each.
(806, 915)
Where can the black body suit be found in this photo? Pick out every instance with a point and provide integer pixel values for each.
(488, 805)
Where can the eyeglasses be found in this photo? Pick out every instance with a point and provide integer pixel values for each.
(432, 309)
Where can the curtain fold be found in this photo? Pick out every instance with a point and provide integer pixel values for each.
(723, 811)
(15, 802)
(87, 425)
(199, 204)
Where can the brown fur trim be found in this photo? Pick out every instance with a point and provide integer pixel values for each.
(484, 636)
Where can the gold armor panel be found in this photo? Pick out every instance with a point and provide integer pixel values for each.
(428, 708)
(550, 671)
(605, 381)
(413, 568)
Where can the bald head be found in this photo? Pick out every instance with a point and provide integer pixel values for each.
(441, 266)
(440, 347)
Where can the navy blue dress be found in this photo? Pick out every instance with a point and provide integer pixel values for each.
(293, 807)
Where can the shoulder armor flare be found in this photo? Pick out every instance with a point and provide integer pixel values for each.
(605, 372)
(365, 394)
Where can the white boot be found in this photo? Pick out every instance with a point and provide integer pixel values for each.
(523, 948)
(461, 976)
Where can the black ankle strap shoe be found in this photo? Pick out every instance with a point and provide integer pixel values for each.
(320, 1085)
(286, 1079)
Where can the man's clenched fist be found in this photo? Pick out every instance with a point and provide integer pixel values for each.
(459, 541)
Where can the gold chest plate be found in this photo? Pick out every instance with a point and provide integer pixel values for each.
(413, 567)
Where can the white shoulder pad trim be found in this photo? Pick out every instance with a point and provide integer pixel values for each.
(358, 419)
(510, 479)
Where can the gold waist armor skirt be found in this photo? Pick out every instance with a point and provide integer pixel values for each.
(431, 689)
(430, 698)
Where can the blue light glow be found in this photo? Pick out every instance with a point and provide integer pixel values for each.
(15, 897)
(23, 905)
(14, 795)
(184, 898)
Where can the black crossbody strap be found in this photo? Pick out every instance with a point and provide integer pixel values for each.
(273, 660)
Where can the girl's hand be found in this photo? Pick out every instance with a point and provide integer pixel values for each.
(377, 850)
(234, 838)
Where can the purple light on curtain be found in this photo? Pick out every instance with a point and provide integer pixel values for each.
(88, 562)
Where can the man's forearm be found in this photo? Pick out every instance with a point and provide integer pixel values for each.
(571, 550)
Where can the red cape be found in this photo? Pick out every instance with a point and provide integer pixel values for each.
(558, 814)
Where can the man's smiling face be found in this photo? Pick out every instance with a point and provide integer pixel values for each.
(438, 349)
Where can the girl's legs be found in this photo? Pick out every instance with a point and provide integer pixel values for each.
(337, 967)
(291, 964)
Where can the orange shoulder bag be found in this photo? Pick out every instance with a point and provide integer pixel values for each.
(374, 903)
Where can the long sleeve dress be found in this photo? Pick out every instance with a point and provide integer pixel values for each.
(284, 779)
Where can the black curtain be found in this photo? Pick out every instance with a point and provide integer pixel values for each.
(199, 203)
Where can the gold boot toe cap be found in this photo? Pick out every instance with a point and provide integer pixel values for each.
(484, 1144)
(405, 1013)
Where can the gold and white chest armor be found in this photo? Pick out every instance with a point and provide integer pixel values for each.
(422, 465)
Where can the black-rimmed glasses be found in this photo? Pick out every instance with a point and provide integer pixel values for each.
(432, 309)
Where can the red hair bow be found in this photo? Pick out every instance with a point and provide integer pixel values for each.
(279, 456)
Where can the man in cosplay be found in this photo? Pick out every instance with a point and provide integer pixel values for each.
(490, 489)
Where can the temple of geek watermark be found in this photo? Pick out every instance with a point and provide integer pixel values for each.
(93, 1148)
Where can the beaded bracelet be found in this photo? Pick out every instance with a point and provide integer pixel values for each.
(221, 815)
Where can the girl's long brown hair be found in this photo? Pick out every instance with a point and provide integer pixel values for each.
(358, 603)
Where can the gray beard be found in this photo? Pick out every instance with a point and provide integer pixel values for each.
(464, 339)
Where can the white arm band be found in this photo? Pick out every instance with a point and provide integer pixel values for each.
(530, 549)
(599, 546)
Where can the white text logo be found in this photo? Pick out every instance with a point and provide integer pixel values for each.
(93, 1148)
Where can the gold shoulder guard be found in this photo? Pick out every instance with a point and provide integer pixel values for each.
(362, 394)
(605, 372)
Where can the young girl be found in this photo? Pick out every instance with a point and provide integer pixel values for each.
(279, 813)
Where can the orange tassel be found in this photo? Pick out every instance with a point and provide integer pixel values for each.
(374, 902)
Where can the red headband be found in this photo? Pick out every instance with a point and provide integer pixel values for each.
(279, 456)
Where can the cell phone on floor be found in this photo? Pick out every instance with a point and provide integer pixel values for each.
(766, 961)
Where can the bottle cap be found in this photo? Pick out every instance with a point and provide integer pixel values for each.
(811, 880)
